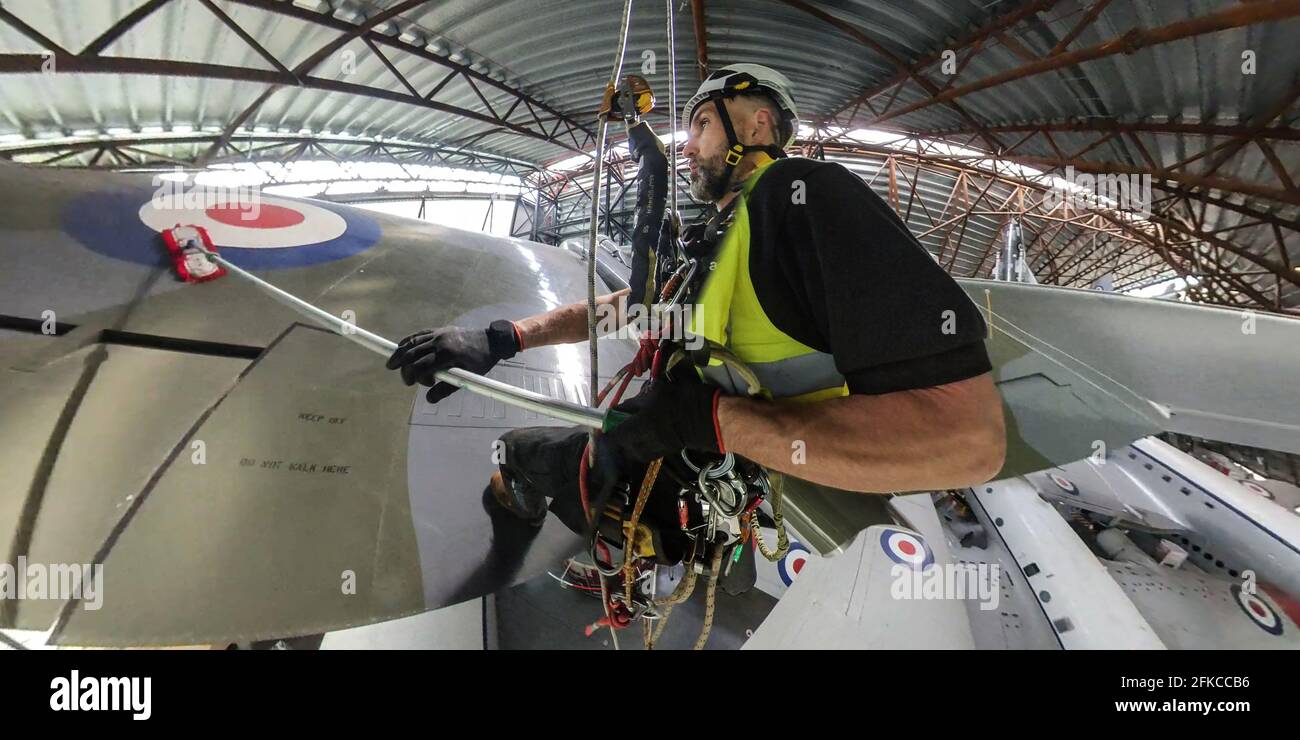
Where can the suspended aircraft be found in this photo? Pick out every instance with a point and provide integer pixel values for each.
(244, 474)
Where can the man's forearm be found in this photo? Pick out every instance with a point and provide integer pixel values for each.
(950, 436)
(568, 324)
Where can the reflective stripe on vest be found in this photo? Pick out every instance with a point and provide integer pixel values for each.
(728, 312)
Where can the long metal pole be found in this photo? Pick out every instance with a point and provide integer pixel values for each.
(494, 389)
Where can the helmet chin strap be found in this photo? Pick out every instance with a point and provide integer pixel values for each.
(735, 150)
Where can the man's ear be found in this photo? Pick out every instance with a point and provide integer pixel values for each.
(756, 124)
(744, 115)
(765, 121)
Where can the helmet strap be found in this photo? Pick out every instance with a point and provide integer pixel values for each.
(735, 150)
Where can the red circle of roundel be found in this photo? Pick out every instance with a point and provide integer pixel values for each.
(1258, 490)
(906, 548)
(267, 217)
(1065, 484)
(789, 566)
(1258, 610)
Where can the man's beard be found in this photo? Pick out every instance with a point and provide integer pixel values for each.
(710, 180)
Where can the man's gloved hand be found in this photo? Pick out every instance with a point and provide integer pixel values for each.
(426, 352)
(668, 417)
(641, 139)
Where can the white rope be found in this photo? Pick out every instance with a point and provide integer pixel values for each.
(602, 126)
(672, 115)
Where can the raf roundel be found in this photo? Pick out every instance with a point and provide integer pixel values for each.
(792, 564)
(265, 233)
(1258, 490)
(1258, 610)
(906, 548)
(269, 223)
(1065, 484)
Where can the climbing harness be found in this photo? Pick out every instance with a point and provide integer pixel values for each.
(717, 497)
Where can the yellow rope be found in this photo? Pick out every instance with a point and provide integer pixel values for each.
(782, 538)
(710, 598)
(629, 542)
(678, 596)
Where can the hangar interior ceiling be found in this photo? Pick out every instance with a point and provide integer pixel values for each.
(964, 114)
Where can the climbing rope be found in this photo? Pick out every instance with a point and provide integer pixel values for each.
(629, 540)
(679, 596)
(672, 116)
(710, 597)
(782, 538)
(602, 129)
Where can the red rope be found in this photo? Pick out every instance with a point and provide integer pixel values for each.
(648, 357)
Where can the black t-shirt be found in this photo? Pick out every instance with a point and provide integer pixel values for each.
(836, 269)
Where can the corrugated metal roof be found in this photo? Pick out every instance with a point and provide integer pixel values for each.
(968, 248)
(560, 54)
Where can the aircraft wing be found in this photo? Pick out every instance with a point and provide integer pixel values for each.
(1174, 355)
(241, 475)
(1190, 610)
(1109, 492)
(853, 601)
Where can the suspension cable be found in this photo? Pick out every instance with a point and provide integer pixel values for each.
(672, 116)
(602, 127)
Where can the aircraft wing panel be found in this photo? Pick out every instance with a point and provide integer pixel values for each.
(1108, 491)
(95, 426)
(1178, 355)
(309, 514)
(1193, 611)
(84, 251)
(847, 602)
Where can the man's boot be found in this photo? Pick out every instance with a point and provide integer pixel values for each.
(517, 497)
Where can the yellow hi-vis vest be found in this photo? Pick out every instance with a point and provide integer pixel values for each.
(727, 311)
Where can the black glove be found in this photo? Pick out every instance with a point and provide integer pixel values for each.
(668, 417)
(426, 352)
(642, 140)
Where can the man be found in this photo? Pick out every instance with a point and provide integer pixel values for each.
(871, 358)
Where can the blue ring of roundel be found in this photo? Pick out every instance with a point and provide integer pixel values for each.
(783, 566)
(1274, 629)
(884, 545)
(109, 224)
